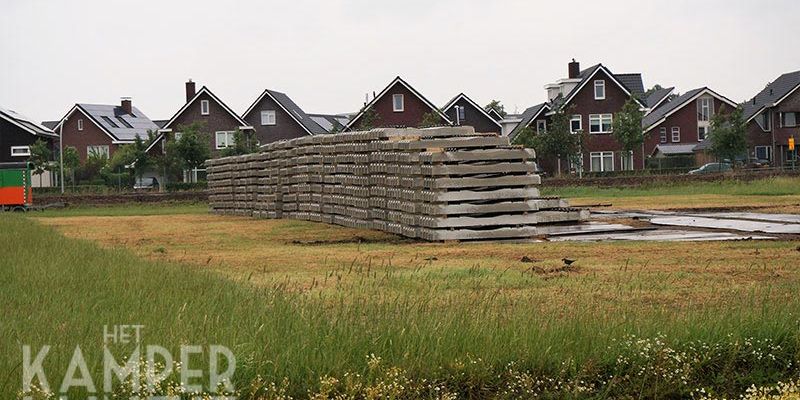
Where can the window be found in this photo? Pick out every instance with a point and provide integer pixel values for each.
(541, 126)
(626, 161)
(765, 121)
(110, 122)
(124, 123)
(602, 161)
(178, 135)
(705, 108)
(599, 90)
(204, 107)
(702, 132)
(575, 124)
(80, 124)
(97, 151)
(267, 117)
(397, 103)
(764, 153)
(462, 115)
(600, 123)
(789, 119)
(224, 139)
(676, 134)
(662, 135)
(20, 151)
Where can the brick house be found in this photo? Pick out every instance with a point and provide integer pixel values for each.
(463, 111)
(274, 116)
(677, 127)
(773, 116)
(216, 120)
(398, 105)
(102, 128)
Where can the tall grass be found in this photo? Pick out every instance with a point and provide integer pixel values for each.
(776, 186)
(61, 292)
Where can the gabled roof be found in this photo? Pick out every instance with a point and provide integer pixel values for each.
(660, 115)
(120, 126)
(529, 115)
(25, 123)
(587, 74)
(197, 95)
(673, 149)
(307, 123)
(386, 90)
(657, 97)
(772, 95)
(474, 104)
(330, 121)
(494, 114)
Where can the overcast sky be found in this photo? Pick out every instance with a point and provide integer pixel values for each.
(327, 54)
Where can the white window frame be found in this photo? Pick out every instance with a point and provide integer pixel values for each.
(602, 155)
(26, 151)
(662, 135)
(80, 124)
(227, 139)
(271, 118)
(600, 84)
(705, 108)
(600, 118)
(768, 150)
(541, 126)
(99, 149)
(204, 107)
(783, 123)
(579, 119)
(676, 130)
(705, 132)
(402, 99)
(461, 113)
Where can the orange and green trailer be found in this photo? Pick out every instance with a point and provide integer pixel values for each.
(16, 193)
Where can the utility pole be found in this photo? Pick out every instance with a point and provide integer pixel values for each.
(61, 152)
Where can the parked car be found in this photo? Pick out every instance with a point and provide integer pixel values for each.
(146, 184)
(711, 168)
(757, 163)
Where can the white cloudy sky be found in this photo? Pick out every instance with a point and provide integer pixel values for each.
(327, 54)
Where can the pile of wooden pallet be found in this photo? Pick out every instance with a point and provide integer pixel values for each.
(434, 184)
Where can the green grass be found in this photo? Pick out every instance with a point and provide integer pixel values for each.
(478, 341)
(161, 208)
(779, 186)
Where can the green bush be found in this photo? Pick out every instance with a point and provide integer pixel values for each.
(184, 186)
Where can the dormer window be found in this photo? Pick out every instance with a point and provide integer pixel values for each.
(398, 104)
(203, 107)
(80, 124)
(599, 90)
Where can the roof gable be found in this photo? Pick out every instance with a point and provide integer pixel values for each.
(397, 81)
(474, 105)
(658, 97)
(660, 115)
(528, 116)
(25, 123)
(589, 73)
(290, 107)
(197, 95)
(494, 114)
(773, 94)
(78, 108)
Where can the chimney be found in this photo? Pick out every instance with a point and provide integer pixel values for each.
(127, 106)
(190, 90)
(574, 68)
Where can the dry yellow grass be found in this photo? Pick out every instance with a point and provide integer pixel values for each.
(318, 257)
(772, 204)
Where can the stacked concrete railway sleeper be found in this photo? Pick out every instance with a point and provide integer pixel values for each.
(434, 184)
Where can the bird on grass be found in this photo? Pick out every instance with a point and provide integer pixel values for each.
(567, 261)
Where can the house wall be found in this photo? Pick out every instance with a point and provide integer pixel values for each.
(473, 117)
(757, 137)
(686, 119)
(411, 116)
(584, 104)
(12, 135)
(91, 135)
(218, 119)
(285, 126)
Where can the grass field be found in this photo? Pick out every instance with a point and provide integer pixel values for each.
(325, 310)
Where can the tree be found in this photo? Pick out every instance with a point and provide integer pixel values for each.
(369, 119)
(40, 158)
(430, 119)
(495, 105)
(191, 149)
(71, 162)
(728, 135)
(557, 142)
(243, 143)
(627, 126)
